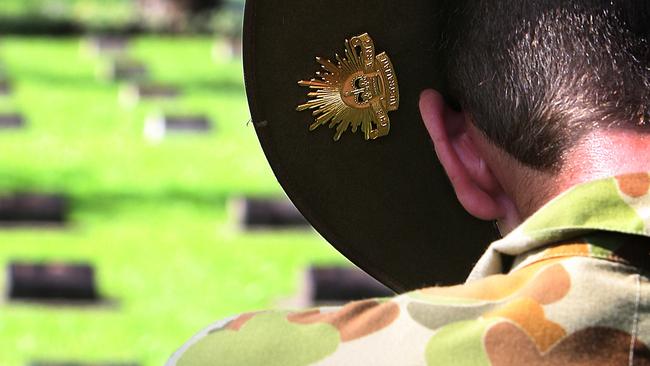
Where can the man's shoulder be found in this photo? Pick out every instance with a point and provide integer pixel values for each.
(484, 320)
(287, 337)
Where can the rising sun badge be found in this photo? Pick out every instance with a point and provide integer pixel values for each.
(356, 92)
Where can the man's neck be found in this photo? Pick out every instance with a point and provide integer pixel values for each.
(605, 153)
(600, 154)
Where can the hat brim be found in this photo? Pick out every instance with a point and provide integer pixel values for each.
(385, 204)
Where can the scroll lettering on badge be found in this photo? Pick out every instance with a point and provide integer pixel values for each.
(356, 92)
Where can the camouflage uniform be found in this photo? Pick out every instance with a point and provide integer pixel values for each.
(578, 293)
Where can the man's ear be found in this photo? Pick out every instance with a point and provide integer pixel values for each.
(476, 187)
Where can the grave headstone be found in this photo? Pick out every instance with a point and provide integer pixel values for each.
(157, 126)
(131, 95)
(107, 45)
(266, 214)
(5, 87)
(35, 209)
(51, 281)
(11, 120)
(336, 285)
(124, 70)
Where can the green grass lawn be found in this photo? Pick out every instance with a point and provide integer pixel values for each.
(152, 218)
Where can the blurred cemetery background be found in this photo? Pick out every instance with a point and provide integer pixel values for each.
(126, 157)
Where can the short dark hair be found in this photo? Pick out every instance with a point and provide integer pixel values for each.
(538, 74)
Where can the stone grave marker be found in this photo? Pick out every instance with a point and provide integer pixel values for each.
(33, 209)
(124, 70)
(5, 87)
(11, 120)
(157, 126)
(107, 45)
(335, 285)
(51, 282)
(131, 95)
(266, 214)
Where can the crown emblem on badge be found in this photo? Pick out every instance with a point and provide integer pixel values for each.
(358, 91)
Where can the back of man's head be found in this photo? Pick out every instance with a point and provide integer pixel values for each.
(536, 76)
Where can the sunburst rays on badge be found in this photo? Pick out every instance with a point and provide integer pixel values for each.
(356, 92)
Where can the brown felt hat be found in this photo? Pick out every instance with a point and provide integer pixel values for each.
(379, 195)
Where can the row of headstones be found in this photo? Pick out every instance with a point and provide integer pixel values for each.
(138, 87)
(249, 214)
(225, 49)
(77, 282)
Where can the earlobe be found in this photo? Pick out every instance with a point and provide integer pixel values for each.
(476, 187)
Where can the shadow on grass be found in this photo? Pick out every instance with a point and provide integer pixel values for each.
(90, 81)
(228, 86)
(114, 202)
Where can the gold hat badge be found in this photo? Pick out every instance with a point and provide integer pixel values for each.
(359, 91)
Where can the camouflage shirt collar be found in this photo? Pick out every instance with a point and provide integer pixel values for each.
(612, 205)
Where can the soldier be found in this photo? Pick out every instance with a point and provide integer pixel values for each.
(538, 114)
